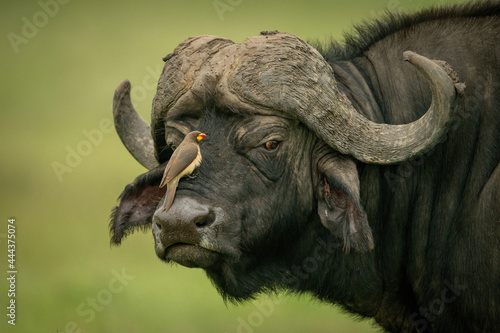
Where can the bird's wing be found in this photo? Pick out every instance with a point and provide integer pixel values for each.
(179, 162)
(165, 173)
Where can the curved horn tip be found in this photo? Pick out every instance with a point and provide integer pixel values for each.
(407, 55)
(122, 89)
(124, 86)
(121, 92)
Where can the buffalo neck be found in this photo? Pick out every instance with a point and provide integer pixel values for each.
(387, 202)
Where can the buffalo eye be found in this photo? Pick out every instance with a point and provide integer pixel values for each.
(271, 145)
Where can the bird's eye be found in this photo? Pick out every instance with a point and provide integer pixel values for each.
(271, 145)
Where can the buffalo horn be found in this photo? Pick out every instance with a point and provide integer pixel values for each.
(280, 72)
(134, 132)
(353, 134)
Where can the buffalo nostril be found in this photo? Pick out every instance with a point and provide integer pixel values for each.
(156, 226)
(206, 220)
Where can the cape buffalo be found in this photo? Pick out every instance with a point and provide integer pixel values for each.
(341, 171)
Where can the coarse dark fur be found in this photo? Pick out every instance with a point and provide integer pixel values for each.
(438, 214)
(435, 266)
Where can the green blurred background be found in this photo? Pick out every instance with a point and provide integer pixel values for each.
(61, 61)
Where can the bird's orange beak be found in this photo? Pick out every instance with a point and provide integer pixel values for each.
(201, 136)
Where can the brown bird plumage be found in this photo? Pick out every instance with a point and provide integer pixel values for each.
(184, 160)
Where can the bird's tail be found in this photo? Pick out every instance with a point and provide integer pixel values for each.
(170, 195)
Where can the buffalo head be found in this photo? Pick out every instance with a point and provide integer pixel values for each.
(279, 168)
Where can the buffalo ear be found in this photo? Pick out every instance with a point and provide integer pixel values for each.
(339, 204)
(138, 203)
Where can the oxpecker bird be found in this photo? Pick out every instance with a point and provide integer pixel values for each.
(184, 160)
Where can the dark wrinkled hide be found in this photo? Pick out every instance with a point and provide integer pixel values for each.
(303, 216)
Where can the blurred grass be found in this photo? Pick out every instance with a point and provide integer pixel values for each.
(60, 83)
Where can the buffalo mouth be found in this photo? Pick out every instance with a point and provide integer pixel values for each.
(186, 251)
(190, 255)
